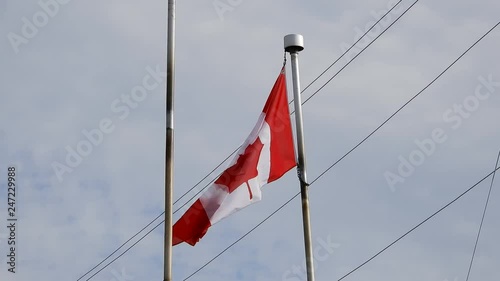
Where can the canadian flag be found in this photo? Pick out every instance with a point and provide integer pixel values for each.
(265, 156)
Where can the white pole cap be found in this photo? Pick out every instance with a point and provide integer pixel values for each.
(294, 43)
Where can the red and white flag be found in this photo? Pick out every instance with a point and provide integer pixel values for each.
(265, 156)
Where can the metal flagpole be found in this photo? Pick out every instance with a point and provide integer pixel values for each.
(294, 43)
(169, 148)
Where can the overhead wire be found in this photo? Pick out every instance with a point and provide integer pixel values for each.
(482, 220)
(365, 262)
(232, 153)
(296, 194)
(337, 160)
(335, 163)
(151, 222)
(320, 75)
(360, 52)
(417, 226)
(354, 45)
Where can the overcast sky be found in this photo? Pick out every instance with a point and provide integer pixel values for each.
(68, 72)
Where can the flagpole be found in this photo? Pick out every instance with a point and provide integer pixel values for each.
(169, 145)
(294, 43)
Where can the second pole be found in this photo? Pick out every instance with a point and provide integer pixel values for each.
(294, 43)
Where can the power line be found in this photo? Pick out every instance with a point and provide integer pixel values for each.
(120, 255)
(242, 237)
(482, 37)
(362, 50)
(415, 96)
(329, 168)
(312, 82)
(353, 45)
(110, 255)
(482, 219)
(137, 233)
(365, 262)
(232, 153)
(277, 210)
(417, 226)
(142, 229)
(319, 76)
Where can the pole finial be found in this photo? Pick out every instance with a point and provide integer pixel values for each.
(294, 43)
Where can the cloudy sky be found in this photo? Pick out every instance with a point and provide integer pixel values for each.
(68, 70)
